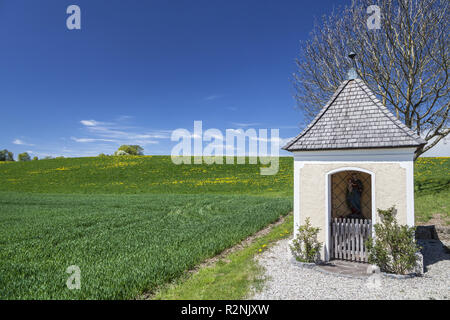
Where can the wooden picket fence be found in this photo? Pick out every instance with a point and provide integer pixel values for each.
(348, 238)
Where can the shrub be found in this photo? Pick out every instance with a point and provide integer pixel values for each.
(394, 247)
(134, 150)
(24, 157)
(35, 158)
(305, 246)
(121, 153)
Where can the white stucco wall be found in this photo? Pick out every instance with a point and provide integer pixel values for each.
(392, 184)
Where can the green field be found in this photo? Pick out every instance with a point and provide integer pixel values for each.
(124, 245)
(142, 174)
(133, 224)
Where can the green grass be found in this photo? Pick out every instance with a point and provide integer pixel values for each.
(432, 188)
(142, 174)
(430, 204)
(134, 224)
(124, 244)
(432, 175)
(234, 275)
(231, 277)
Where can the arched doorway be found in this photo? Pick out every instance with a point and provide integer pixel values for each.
(350, 213)
(351, 195)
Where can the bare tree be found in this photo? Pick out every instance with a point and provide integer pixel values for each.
(405, 62)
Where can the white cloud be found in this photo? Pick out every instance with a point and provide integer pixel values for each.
(91, 140)
(124, 118)
(241, 124)
(22, 143)
(212, 97)
(118, 133)
(90, 123)
(18, 141)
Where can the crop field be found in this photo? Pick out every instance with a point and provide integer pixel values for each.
(133, 224)
(123, 244)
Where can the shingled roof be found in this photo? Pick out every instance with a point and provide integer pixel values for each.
(354, 119)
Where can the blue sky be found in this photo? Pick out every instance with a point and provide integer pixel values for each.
(139, 69)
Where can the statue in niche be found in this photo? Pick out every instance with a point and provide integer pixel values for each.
(354, 192)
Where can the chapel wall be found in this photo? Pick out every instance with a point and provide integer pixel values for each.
(390, 189)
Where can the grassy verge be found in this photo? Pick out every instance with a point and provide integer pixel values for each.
(432, 189)
(123, 244)
(232, 276)
(428, 205)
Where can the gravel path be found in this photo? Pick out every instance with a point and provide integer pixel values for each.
(287, 281)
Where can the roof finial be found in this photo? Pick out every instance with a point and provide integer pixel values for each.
(351, 74)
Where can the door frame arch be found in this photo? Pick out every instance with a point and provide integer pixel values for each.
(328, 175)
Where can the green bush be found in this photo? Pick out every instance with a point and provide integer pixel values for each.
(394, 246)
(121, 153)
(305, 246)
(24, 157)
